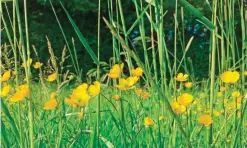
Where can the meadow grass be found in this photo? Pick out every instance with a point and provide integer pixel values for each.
(157, 102)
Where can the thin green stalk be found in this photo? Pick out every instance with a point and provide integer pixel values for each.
(28, 73)
(212, 72)
(98, 74)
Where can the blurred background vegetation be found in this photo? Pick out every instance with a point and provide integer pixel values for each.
(42, 23)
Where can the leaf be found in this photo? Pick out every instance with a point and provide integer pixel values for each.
(197, 13)
(107, 142)
(81, 37)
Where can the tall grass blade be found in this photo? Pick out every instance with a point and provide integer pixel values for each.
(81, 37)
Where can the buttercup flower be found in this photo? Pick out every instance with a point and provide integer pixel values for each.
(116, 70)
(148, 121)
(5, 91)
(116, 97)
(185, 99)
(5, 77)
(137, 72)
(205, 119)
(177, 108)
(126, 84)
(29, 62)
(94, 89)
(245, 73)
(50, 104)
(236, 94)
(52, 77)
(80, 115)
(182, 77)
(142, 93)
(216, 113)
(230, 77)
(188, 84)
(37, 65)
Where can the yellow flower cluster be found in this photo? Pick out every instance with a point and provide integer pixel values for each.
(21, 93)
(52, 102)
(82, 94)
(116, 70)
(182, 103)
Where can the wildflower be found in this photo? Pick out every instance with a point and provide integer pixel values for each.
(185, 99)
(177, 108)
(188, 84)
(245, 73)
(80, 115)
(24, 89)
(182, 77)
(52, 77)
(29, 62)
(18, 96)
(116, 97)
(219, 94)
(50, 104)
(70, 102)
(205, 119)
(53, 95)
(230, 77)
(216, 113)
(239, 114)
(142, 93)
(37, 65)
(5, 91)
(222, 89)
(148, 121)
(161, 118)
(5, 77)
(236, 94)
(116, 70)
(94, 90)
(126, 84)
(137, 72)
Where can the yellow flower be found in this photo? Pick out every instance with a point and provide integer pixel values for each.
(182, 77)
(116, 97)
(21, 93)
(5, 91)
(116, 70)
(94, 90)
(185, 99)
(79, 96)
(148, 121)
(161, 118)
(245, 73)
(222, 89)
(205, 119)
(16, 97)
(177, 108)
(137, 72)
(236, 94)
(219, 94)
(37, 65)
(71, 102)
(52, 77)
(29, 62)
(50, 104)
(24, 89)
(80, 115)
(142, 93)
(188, 84)
(230, 77)
(239, 114)
(126, 84)
(6, 76)
(53, 95)
(216, 113)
